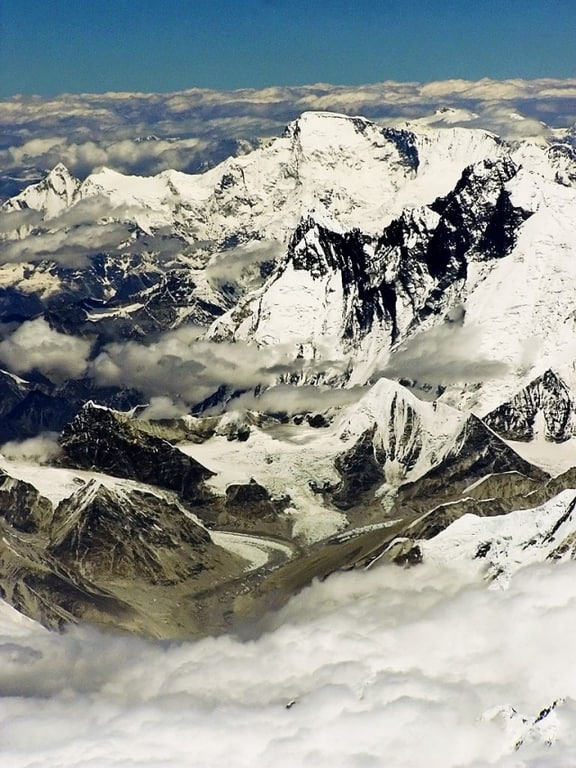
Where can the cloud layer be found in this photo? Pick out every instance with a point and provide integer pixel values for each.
(36, 346)
(42, 449)
(406, 668)
(190, 130)
(182, 367)
(443, 354)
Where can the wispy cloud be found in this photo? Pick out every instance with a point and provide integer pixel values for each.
(184, 367)
(36, 450)
(90, 226)
(34, 345)
(291, 399)
(444, 354)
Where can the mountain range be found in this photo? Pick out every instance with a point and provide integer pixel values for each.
(353, 344)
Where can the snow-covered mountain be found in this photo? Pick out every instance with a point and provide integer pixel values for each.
(325, 353)
(343, 295)
(51, 196)
(360, 173)
(362, 235)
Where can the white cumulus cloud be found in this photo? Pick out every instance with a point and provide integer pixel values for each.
(390, 667)
(36, 346)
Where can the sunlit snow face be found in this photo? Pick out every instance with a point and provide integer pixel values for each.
(386, 668)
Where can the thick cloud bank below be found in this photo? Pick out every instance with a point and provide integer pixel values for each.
(402, 668)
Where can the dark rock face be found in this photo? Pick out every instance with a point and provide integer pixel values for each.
(403, 448)
(246, 493)
(478, 215)
(562, 156)
(101, 439)
(477, 452)
(476, 222)
(405, 142)
(359, 472)
(248, 508)
(318, 250)
(250, 500)
(317, 420)
(22, 506)
(547, 396)
(126, 536)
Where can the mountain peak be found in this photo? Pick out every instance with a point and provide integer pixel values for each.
(327, 123)
(327, 132)
(545, 405)
(59, 171)
(62, 183)
(109, 441)
(55, 193)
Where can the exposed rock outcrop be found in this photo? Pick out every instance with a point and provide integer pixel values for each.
(546, 404)
(359, 471)
(476, 452)
(109, 442)
(137, 536)
(117, 556)
(22, 506)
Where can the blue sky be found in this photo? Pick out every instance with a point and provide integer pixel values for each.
(55, 46)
